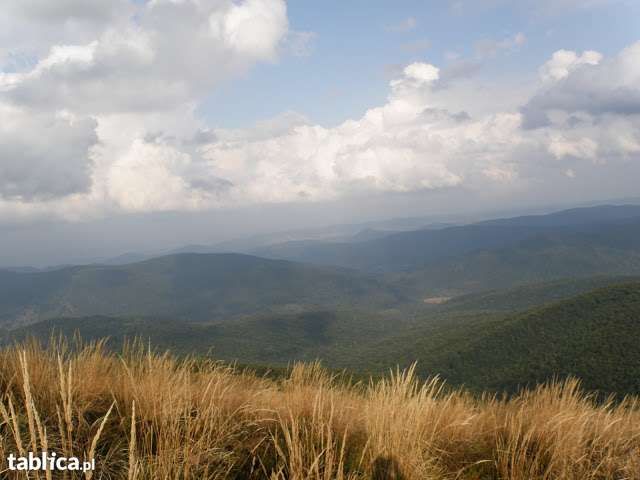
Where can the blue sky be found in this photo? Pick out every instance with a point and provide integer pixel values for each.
(358, 42)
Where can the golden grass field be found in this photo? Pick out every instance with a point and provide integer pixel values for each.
(144, 415)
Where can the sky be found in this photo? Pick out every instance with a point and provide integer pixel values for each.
(137, 125)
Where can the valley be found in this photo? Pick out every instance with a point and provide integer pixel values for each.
(495, 306)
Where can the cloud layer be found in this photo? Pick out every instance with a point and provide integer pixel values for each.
(97, 115)
(44, 156)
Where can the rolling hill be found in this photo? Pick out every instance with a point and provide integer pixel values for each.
(593, 336)
(541, 296)
(186, 286)
(477, 340)
(273, 339)
(530, 295)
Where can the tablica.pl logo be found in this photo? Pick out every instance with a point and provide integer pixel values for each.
(49, 461)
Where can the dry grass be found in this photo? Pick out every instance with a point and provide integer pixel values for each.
(148, 416)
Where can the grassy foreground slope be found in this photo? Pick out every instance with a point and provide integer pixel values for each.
(593, 336)
(146, 416)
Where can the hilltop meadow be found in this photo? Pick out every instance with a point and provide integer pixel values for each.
(145, 415)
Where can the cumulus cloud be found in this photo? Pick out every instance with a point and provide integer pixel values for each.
(585, 88)
(402, 146)
(87, 82)
(155, 175)
(563, 62)
(459, 69)
(44, 156)
(413, 142)
(103, 119)
(28, 28)
(173, 53)
(584, 147)
(252, 28)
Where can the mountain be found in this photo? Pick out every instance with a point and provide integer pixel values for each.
(574, 217)
(124, 259)
(404, 251)
(556, 254)
(496, 341)
(347, 232)
(593, 336)
(497, 254)
(414, 250)
(191, 286)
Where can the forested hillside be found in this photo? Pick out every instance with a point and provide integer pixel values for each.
(593, 336)
(193, 287)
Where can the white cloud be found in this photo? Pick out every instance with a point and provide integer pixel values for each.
(44, 156)
(158, 176)
(587, 85)
(173, 53)
(414, 142)
(252, 28)
(561, 147)
(28, 28)
(404, 145)
(103, 120)
(564, 62)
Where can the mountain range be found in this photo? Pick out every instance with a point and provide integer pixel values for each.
(494, 305)
(188, 286)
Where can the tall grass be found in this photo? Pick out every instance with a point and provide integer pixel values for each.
(144, 415)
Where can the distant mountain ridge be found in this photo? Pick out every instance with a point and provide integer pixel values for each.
(413, 250)
(559, 253)
(193, 286)
(493, 254)
(574, 217)
(403, 251)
